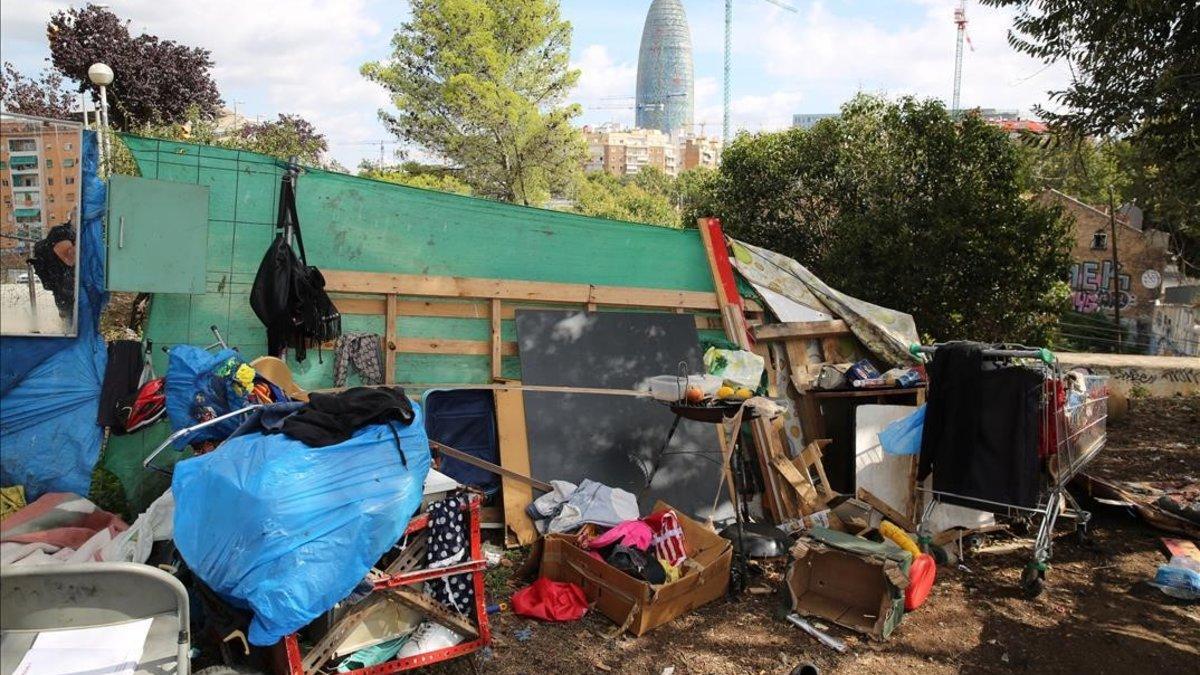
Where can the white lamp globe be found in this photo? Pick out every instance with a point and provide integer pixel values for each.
(100, 74)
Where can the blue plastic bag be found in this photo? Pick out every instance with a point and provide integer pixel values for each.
(287, 530)
(903, 437)
(200, 387)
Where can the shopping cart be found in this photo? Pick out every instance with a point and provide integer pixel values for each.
(1072, 431)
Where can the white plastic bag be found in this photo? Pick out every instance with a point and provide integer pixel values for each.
(738, 366)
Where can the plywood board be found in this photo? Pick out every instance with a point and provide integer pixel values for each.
(616, 440)
(514, 456)
(882, 474)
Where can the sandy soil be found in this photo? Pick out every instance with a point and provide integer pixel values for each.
(1097, 615)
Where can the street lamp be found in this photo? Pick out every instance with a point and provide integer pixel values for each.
(102, 76)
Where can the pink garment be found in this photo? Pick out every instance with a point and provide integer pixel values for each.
(632, 533)
(58, 525)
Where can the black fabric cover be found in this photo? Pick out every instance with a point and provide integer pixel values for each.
(56, 276)
(328, 419)
(980, 437)
(288, 294)
(121, 378)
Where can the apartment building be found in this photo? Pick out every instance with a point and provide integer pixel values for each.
(39, 174)
(625, 152)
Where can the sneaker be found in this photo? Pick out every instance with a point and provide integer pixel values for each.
(428, 637)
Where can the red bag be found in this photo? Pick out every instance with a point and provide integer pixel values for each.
(550, 601)
(921, 575)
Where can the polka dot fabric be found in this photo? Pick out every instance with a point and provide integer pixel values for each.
(449, 544)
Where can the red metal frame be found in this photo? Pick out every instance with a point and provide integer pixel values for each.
(290, 646)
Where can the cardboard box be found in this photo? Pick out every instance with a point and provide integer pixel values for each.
(636, 605)
(853, 582)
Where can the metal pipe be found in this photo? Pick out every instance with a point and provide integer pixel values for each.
(823, 637)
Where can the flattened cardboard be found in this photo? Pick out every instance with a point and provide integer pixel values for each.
(635, 604)
(850, 581)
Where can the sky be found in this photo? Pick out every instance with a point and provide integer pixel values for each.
(303, 57)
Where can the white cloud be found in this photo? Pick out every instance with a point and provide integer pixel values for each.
(271, 56)
(605, 86)
(831, 56)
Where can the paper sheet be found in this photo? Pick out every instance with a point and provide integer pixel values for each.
(108, 650)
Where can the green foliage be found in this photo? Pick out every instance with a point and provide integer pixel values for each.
(413, 174)
(899, 204)
(646, 201)
(1082, 168)
(288, 137)
(1136, 75)
(482, 83)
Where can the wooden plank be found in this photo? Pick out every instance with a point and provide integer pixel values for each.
(514, 456)
(347, 281)
(888, 512)
(801, 329)
(369, 306)
(488, 466)
(433, 610)
(496, 338)
(389, 341)
(413, 345)
(734, 324)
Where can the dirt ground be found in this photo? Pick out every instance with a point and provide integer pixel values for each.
(1097, 615)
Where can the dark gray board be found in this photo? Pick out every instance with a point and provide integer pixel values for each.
(605, 438)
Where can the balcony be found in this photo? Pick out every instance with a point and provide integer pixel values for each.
(23, 163)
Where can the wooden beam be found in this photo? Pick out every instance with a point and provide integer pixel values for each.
(888, 512)
(801, 329)
(488, 466)
(514, 456)
(389, 341)
(433, 610)
(441, 346)
(495, 335)
(347, 281)
(360, 305)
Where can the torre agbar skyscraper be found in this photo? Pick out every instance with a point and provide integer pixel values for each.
(664, 97)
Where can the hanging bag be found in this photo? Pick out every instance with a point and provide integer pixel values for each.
(289, 295)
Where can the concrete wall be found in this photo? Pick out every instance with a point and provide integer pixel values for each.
(1130, 374)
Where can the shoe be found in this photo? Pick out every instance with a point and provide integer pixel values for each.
(428, 637)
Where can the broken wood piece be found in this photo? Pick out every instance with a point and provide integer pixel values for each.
(488, 466)
(888, 512)
(801, 329)
(433, 610)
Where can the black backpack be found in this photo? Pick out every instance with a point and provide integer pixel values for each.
(289, 295)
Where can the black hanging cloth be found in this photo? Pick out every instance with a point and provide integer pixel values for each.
(289, 295)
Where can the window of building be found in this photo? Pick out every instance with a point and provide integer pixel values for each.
(69, 162)
(1099, 240)
(69, 180)
(49, 181)
(49, 164)
(50, 197)
(68, 146)
(22, 145)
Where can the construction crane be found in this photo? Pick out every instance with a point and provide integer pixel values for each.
(729, 61)
(960, 20)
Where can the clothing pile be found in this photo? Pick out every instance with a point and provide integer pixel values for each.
(651, 549)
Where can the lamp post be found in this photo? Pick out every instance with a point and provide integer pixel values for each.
(102, 76)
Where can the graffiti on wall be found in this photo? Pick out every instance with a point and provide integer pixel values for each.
(1092, 287)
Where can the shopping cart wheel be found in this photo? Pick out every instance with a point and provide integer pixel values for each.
(1033, 579)
(1083, 535)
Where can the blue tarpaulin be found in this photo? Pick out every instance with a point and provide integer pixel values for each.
(50, 387)
(287, 530)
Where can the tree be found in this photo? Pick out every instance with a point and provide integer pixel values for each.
(42, 96)
(482, 83)
(288, 137)
(605, 196)
(157, 81)
(1136, 74)
(429, 177)
(899, 204)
